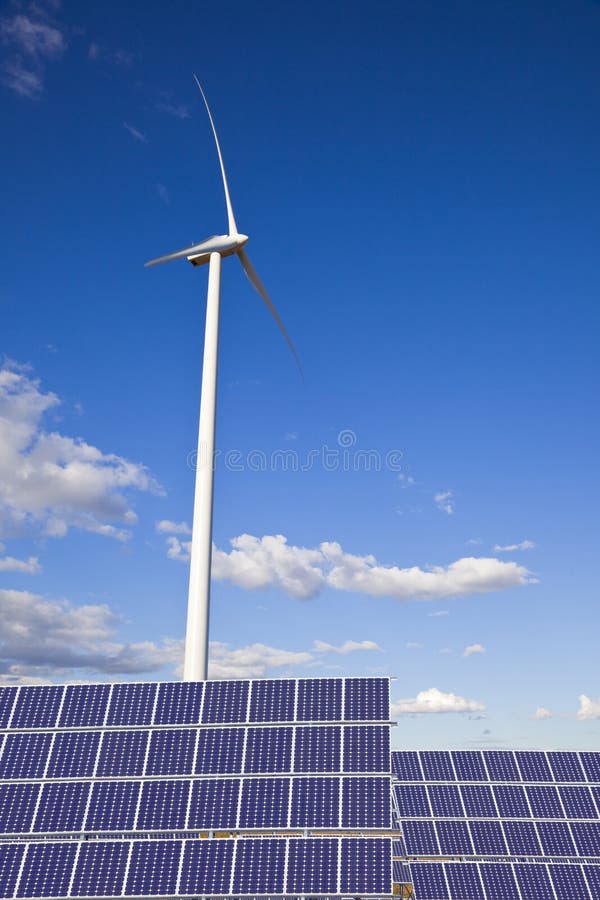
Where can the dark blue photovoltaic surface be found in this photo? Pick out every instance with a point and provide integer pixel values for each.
(171, 752)
(501, 765)
(534, 882)
(225, 701)
(591, 765)
(317, 749)
(17, 803)
(469, 766)
(366, 866)
(406, 765)
(566, 766)
(578, 802)
(429, 881)
(214, 803)
(366, 700)
(420, 838)
(7, 701)
(264, 803)
(319, 699)
(366, 803)
(464, 882)
(555, 839)
(62, 806)
(272, 700)
(533, 765)
(445, 800)
(499, 881)
(73, 754)
(544, 801)
(178, 703)
(569, 880)
(206, 868)
(366, 748)
(100, 869)
(122, 753)
(219, 751)
(522, 839)
(10, 862)
(592, 876)
(454, 838)
(315, 800)
(153, 868)
(587, 837)
(437, 765)
(131, 704)
(478, 801)
(312, 867)
(412, 800)
(84, 705)
(269, 750)
(488, 839)
(511, 801)
(113, 805)
(47, 870)
(259, 866)
(163, 805)
(25, 755)
(37, 707)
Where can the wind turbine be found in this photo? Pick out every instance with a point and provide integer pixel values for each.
(211, 251)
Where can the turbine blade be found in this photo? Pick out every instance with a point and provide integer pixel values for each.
(230, 216)
(260, 289)
(214, 243)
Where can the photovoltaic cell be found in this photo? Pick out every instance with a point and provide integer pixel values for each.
(73, 754)
(429, 881)
(366, 699)
(566, 766)
(453, 838)
(592, 876)
(163, 805)
(17, 804)
(534, 882)
(591, 765)
(521, 838)
(122, 753)
(464, 881)
(478, 801)
(25, 755)
(365, 866)
(272, 700)
(315, 800)
(366, 803)
(488, 838)
(100, 869)
(259, 866)
(84, 705)
(269, 750)
(445, 800)
(225, 701)
(468, 765)
(544, 801)
(587, 837)
(7, 700)
(131, 704)
(219, 751)
(206, 868)
(533, 765)
(437, 765)
(312, 867)
(405, 765)
(171, 752)
(153, 868)
(264, 803)
(47, 870)
(317, 749)
(578, 802)
(511, 801)
(319, 699)
(62, 806)
(501, 765)
(366, 748)
(569, 880)
(113, 805)
(556, 839)
(178, 703)
(37, 706)
(420, 838)
(10, 862)
(412, 800)
(214, 803)
(499, 881)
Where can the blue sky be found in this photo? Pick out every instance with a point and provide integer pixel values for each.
(420, 185)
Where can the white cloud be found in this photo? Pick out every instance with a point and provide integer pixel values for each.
(177, 110)
(32, 40)
(136, 133)
(167, 526)
(414, 645)
(435, 701)
(29, 566)
(588, 708)
(253, 661)
(438, 613)
(444, 500)
(510, 548)
(346, 647)
(541, 713)
(473, 649)
(257, 563)
(49, 482)
(473, 542)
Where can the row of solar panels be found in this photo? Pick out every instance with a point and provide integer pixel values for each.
(198, 868)
(175, 703)
(201, 804)
(483, 801)
(505, 881)
(195, 751)
(453, 837)
(496, 765)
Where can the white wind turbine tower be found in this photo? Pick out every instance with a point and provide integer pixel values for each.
(211, 251)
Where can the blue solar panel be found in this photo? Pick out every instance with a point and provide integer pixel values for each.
(412, 800)
(47, 870)
(454, 838)
(17, 804)
(315, 800)
(178, 703)
(569, 880)
(406, 766)
(591, 765)
(62, 806)
(534, 882)
(478, 801)
(269, 750)
(420, 838)
(317, 749)
(578, 802)
(259, 866)
(522, 839)
(84, 705)
(272, 700)
(25, 755)
(153, 868)
(366, 748)
(366, 699)
(214, 803)
(206, 868)
(499, 881)
(366, 803)
(566, 766)
(264, 803)
(37, 707)
(7, 701)
(592, 876)
(545, 802)
(488, 838)
(429, 881)
(445, 800)
(533, 765)
(319, 699)
(312, 867)
(219, 751)
(122, 753)
(501, 765)
(73, 754)
(100, 869)
(171, 752)
(587, 837)
(131, 704)
(225, 701)
(163, 805)
(437, 765)
(511, 801)
(556, 839)
(464, 881)
(468, 765)
(365, 866)
(113, 806)
(10, 863)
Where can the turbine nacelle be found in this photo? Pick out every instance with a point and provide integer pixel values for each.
(231, 243)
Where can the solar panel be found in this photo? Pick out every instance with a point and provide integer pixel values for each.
(178, 703)
(501, 765)
(113, 806)
(225, 701)
(499, 881)
(84, 705)
(366, 803)
(578, 802)
(521, 838)
(25, 755)
(592, 876)
(406, 765)
(478, 801)
(412, 800)
(62, 806)
(100, 869)
(319, 699)
(366, 748)
(429, 881)
(365, 866)
(488, 838)
(445, 800)
(37, 707)
(219, 751)
(273, 700)
(566, 767)
(437, 765)
(420, 838)
(264, 803)
(17, 806)
(122, 753)
(318, 749)
(533, 766)
(315, 800)
(544, 801)
(366, 699)
(269, 750)
(259, 866)
(469, 766)
(73, 754)
(587, 837)
(464, 881)
(131, 704)
(163, 805)
(214, 803)
(454, 838)
(47, 870)
(153, 868)
(511, 801)
(171, 752)
(312, 869)
(591, 765)
(569, 880)
(206, 868)
(534, 882)
(7, 701)
(555, 838)
(10, 864)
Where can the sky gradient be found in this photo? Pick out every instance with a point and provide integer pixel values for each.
(420, 186)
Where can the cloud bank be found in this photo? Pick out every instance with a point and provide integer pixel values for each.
(435, 701)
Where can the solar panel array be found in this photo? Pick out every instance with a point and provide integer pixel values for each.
(508, 824)
(161, 789)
